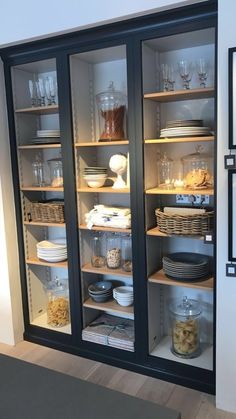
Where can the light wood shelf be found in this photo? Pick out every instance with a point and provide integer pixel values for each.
(41, 188)
(105, 271)
(158, 191)
(179, 140)
(177, 95)
(36, 261)
(36, 146)
(160, 278)
(101, 144)
(39, 110)
(103, 189)
(41, 321)
(111, 306)
(100, 228)
(40, 224)
(156, 232)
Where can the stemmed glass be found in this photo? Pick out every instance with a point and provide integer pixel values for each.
(48, 92)
(202, 69)
(164, 72)
(41, 91)
(171, 77)
(52, 89)
(33, 94)
(185, 71)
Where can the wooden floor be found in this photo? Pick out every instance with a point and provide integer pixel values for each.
(191, 403)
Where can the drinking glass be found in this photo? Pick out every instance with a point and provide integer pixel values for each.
(48, 92)
(41, 91)
(186, 72)
(52, 88)
(202, 68)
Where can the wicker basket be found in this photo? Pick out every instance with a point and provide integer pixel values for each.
(184, 224)
(46, 211)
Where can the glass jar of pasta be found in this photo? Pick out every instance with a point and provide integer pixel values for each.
(58, 313)
(185, 315)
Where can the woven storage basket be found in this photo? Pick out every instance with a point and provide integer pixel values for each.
(184, 224)
(46, 212)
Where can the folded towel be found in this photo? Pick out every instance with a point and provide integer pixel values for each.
(114, 219)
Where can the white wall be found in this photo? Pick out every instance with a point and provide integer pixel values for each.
(31, 19)
(11, 322)
(226, 288)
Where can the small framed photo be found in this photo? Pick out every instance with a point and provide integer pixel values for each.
(230, 161)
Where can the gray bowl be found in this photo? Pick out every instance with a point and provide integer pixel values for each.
(100, 287)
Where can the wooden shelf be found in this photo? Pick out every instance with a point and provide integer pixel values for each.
(36, 261)
(40, 224)
(204, 360)
(41, 188)
(100, 228)
(39, 110)
(177, 95)
(35, 146)
(160, 278)
(101, 144)
(156, 232)
(41, 321)
(179, 140)
(111, 306)
(158, 191)
(105, 271)
(103, 189)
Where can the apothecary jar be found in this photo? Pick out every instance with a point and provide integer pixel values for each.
(113, 251)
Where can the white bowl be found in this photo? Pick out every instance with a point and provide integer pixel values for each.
(125, 303)
(94, 177)
(96, 183)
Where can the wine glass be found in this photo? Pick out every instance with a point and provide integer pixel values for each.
(41, 91)
(52, 87)
(33, 94)
(164, 72)
(202, 68)
(171, 77)
(48, 92)
(186, 72)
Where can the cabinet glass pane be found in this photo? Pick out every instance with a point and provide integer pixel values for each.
(42, 198)
(179, 128)
(100, 114)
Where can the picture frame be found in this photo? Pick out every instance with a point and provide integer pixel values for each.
(232, 97)
(231, 215)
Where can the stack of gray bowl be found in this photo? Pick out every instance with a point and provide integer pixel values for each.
(100, 291)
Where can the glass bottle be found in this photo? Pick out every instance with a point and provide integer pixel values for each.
(98, 260)
(114, 251)
(38, 168)
(126, 251)
(185, 316)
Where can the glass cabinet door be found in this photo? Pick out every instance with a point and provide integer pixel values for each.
(101, 141)
(179, 134)
(36, 110)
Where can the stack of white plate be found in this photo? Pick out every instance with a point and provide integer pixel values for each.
(124, 295)
(186, 266)
(95, 177)
(185, 128)
(48, 133)
(52, 250)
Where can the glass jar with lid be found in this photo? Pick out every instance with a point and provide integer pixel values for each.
(198, 169)
(126, 253)
(38, 171)
(56, 172)
(58, 312)
(111, 111)
(113, 251)
(98, 259)
(165, 172)
(185, 316)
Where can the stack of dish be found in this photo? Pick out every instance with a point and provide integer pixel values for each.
(124, 295)
(185, 128)
(52, 250)
(95, 176)
(100, 291)
(47, 136)
(186, 266)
